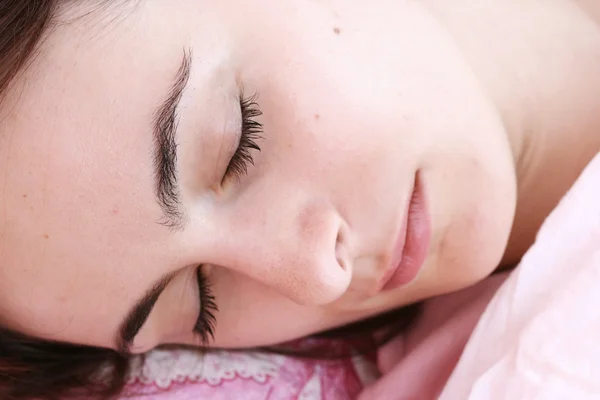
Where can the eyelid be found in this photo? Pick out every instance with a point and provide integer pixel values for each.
(250, 133)
(172, 314)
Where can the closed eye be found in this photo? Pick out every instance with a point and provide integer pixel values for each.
(251, 132)
(206, 322)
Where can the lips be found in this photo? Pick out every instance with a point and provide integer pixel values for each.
(410, 249)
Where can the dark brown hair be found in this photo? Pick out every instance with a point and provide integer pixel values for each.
(31, 368)
(22, 24)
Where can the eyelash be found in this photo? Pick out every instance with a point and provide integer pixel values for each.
(251, 131)
(206, 323)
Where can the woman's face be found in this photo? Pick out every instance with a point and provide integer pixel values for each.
(356, 101)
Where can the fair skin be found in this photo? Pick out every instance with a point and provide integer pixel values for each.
(496, 112)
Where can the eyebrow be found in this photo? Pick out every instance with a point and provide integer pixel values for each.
(137, 317)
(166, 186)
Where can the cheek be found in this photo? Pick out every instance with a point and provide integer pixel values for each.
(475, 226)
(332, 133)
(251, 314)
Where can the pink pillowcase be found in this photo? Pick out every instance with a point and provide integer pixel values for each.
(220, 375)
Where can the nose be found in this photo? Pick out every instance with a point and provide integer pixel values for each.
(299, 249)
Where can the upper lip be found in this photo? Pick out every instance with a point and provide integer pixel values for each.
(399, 244)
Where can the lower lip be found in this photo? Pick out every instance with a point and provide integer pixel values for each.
(413, 247)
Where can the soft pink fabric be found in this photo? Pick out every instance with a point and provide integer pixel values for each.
(417, 364)
(539, 337)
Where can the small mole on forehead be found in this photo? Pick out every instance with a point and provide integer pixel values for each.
(336, 30)
(46, 236)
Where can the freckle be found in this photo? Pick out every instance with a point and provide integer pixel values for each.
(317, 116)
(46, 236)
(25, 196)
(336, 30)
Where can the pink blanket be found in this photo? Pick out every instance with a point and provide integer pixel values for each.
(539, 337)
(534, 338)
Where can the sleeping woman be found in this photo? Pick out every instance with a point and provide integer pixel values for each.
(241, 173)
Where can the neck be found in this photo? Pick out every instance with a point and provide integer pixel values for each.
(538, 61)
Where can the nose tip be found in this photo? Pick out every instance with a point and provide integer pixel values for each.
(328, 282)
(300, 249)
(330, 274)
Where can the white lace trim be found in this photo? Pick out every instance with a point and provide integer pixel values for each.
(166, 367)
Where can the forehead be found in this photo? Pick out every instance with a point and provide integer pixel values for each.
(78, 215)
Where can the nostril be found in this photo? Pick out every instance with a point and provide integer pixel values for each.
(341, 263)
(340, 251)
